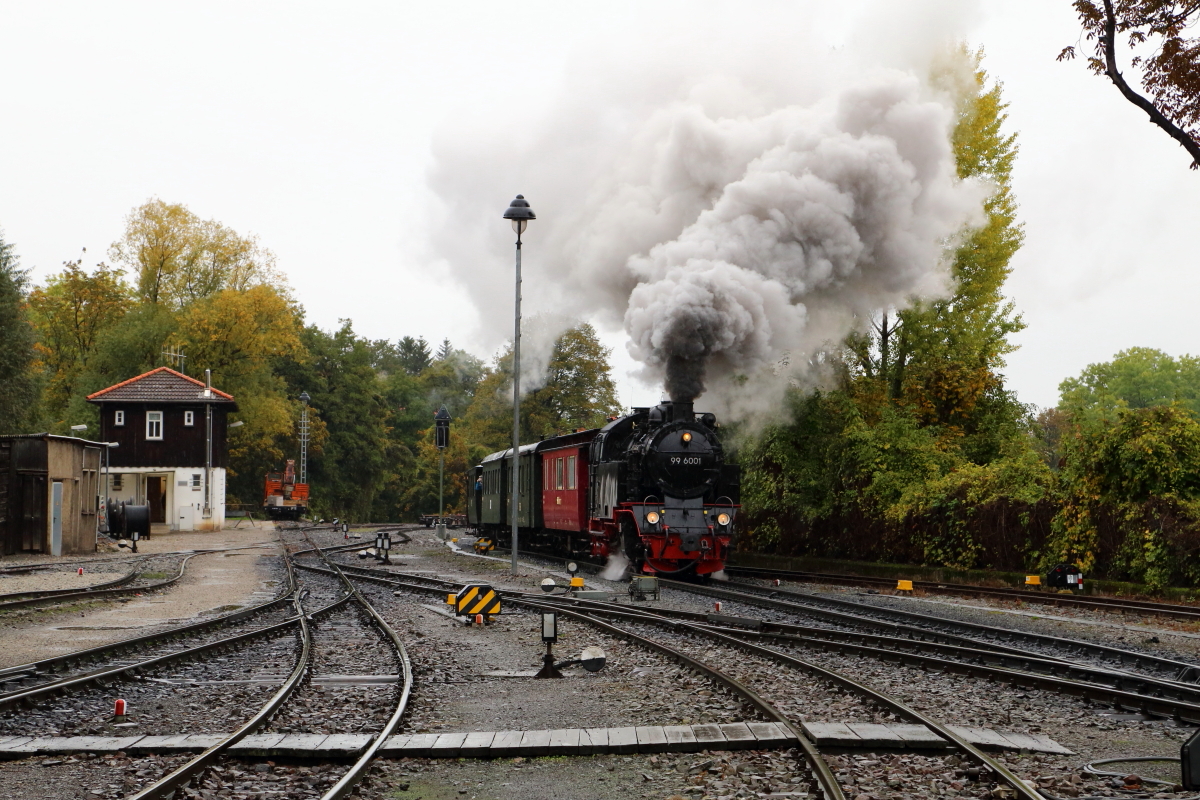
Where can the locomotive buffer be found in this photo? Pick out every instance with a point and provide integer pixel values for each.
(475, 599)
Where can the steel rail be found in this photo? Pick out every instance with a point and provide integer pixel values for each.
(811, 753)
(1092, 602)
(932, 654)
(13, 596)
(35, 668)
(1104, 686)
(90, 594)
(167, 785)
(356, 772)
(33, 694)
(887, 701)
(1114, 695)
(812, 604)
(820, 769)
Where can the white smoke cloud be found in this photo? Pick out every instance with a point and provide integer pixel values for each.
(735, 205)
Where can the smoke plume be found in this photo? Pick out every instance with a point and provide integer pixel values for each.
(844, 211)
(736, 207)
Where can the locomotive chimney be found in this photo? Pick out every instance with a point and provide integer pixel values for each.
(682, 410)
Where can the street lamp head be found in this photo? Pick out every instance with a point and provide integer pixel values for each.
(520, 213)
(237, 424)
(304, 398)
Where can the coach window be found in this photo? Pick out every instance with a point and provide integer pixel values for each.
(558, 476)
(189, 418)
(570, 472)
(119, 418)
(154, 424)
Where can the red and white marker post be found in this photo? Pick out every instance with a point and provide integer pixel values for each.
(717, 607)
(119, 710)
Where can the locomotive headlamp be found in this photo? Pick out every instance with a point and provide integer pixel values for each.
(722, 518)
(653, 518)
(687, 436)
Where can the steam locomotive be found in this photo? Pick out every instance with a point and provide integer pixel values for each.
(655, 486)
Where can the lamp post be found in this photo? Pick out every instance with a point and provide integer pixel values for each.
(304, 398)
(441, 422)
(520, 214)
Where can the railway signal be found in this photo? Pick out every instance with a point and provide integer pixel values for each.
(441, 430)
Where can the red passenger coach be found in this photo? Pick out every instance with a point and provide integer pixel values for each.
(564, 488)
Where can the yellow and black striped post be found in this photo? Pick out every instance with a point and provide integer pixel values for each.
(477, 598)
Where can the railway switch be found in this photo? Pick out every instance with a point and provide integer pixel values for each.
(1033, 580)
(576, 582)
(549, 636)
(904, 586)
(643, 586)
(1189, 756)
(477, 598)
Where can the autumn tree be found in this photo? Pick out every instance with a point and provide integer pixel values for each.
(579, 391)
(942, 358)
(1156, 31)
(18, 382)
(69, 313)
(178, 258)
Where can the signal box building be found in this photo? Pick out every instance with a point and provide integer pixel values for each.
(171, 451)
(49, 488)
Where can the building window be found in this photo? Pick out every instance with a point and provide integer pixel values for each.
(570, 472)
(196, 481)
(189, 418)
(154, 425)
(115, 478)
(119, 418)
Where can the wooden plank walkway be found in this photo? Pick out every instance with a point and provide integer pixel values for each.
(506, 744)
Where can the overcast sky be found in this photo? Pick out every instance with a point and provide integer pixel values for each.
(315, 126)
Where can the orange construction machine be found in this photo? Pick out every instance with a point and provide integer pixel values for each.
(283, 498)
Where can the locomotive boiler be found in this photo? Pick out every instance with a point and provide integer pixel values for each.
(655, 485)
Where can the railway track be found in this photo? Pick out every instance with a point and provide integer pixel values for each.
(855, 612)
(1034, 596)
(121, 588)
(699, 624)
(216, 759)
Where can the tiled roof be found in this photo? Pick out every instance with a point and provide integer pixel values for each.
(162, 385)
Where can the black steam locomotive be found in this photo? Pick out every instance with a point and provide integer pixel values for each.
(655, 485)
